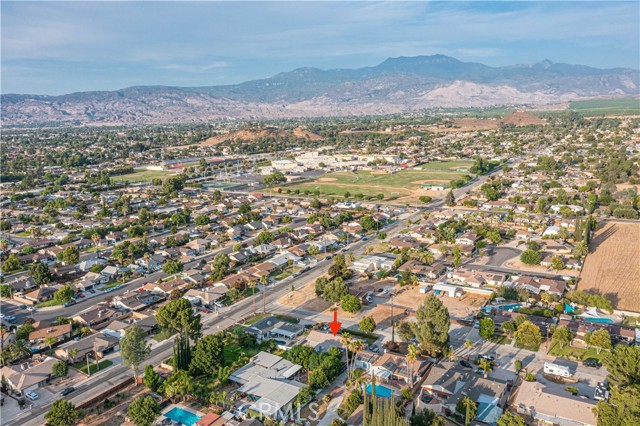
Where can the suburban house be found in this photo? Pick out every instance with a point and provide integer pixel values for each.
(422, 271)
(392, 367)
(207, 296)
(136, 300)
(268, 381)
(448, 382)
(553, 405)
(22, 380)
(97, 344)
(98, 316)
(42, 331)
(468, 238)
(537, 285)
(40, 295)
(321, 341)
(118, 328)
(90, 280)
(372, 263)
(273, 328)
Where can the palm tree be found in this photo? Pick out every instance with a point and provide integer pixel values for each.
(71, 355)
(49, 341)
(345, 339)
(486, 365)
(264, 280)
(357, 346)
(20, 349)
(252, 284)
(96, 240)
(412, 356)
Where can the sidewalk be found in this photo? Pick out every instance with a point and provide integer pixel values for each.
(338, 394)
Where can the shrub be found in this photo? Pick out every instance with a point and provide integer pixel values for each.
(572, 389)
(518, 364)
(530, 377)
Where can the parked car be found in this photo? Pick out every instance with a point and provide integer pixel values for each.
(465, 364)
(592, 363)
(32, 395)
(70, 303)
(80, 295)
(31, 308)
(67, 391)
(22, 306)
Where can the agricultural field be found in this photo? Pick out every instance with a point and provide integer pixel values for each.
(630, 106)
(405, 184)
(144, 175)
(612, 268)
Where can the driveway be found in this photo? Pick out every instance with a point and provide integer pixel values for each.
(499, 255)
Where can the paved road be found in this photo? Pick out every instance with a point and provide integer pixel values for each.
(213, 323)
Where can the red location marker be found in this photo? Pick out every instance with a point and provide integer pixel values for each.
(335, 325)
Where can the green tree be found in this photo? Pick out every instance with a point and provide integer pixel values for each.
(623, 365)
(427, 417)
(202, 220)
(173, 184)
(530, 257)
(172, 266)
(178, 315)
(12, 263)
(432, 325)
(181, 352)
(368, 223)
(562, 336)
(468, 408)
(350, 303)
(69, 256)
(265, 237)
(143, 411)
(151, 379)
(335, 290)
(600, 339)
(557, 263)
(40, 273)
(622, 409)
(450, 199)
(63, 294)
(134, 348)
(5, 290)
(425, 199)
(62, 413)
(274, 179)
(581, 250)
(509, 419)
(528, 335)
(220, 266)
(207, 355)
(367, 324)
(60, 369)
(487, 328)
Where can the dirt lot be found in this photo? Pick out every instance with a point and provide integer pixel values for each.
(612, 268)
(305, 298)
(516, 264)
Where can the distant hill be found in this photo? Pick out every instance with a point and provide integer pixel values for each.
(396, 85)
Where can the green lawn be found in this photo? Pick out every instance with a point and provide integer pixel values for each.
(82, 366)
(162, 334)
(570, 352)
(282, 275)
(390, 185)
(143, 176)
(111, 285)
(232, 352)
(254, 319)
(611, 106)
(529, 348)
(48, 303)
(500, 339)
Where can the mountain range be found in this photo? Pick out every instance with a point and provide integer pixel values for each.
(397, 85)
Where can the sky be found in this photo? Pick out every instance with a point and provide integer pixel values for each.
(62, 47)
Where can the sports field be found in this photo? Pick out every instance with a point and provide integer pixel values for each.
(405, 184)
(144, 175)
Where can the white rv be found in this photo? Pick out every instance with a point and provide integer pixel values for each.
(557, 370)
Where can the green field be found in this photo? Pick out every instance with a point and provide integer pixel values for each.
(143, 176)
(629, 106)
(392, 186)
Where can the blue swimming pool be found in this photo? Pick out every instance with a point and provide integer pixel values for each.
(382, 391)
(601, 320)
(509, 307)
(185, 417)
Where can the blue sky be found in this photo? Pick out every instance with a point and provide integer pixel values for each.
(62, 47)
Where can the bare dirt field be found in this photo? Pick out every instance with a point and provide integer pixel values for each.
(613, 266)
(521, 118)
(305, 298)
(516, 264)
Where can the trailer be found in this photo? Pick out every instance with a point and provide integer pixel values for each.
(450, 290)
(557, 370)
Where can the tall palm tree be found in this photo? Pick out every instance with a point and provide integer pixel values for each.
(357, 346)
(71, 355)
(345, 339)
(96, 240)
(264, 280)
(252, 284)
(426, 257)
(412, 356)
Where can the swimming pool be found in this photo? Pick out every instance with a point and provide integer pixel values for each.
(183, 416)
(382, 391)
(600, 320)
(510, 307)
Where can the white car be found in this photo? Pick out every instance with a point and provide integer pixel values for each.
(1, 315)
(31, 308)
(32, 395)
